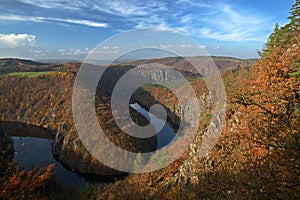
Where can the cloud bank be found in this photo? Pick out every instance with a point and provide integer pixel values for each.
(15, 40)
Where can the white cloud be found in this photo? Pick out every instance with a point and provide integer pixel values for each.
(233, 35)
(217, 47)
(36, 51)
(108, 49)
(192, 3)
(14, 40)
(123, 8)
(39, 52)
(165, 46)
(60, 4)
(186, 19)
(154, 21)
(81, 22)
(45, 19)
(115, 7)
(185, 46)
(74, 52)
(220, 22)
(190, 46)
(228, 24)
(213, 20)
(105, 52)
(216, 20)
(21, 18)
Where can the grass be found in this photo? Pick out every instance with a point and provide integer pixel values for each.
(29, 74)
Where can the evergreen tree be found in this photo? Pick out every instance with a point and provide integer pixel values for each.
(285, 35)
(295, 16)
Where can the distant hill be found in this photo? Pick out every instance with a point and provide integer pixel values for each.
(9, 65)
(180, 63)
(56, 61)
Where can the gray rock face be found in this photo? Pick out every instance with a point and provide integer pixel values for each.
(57, 143)
(159, 75)
(199, 154)
(189, 111)
(194, 108)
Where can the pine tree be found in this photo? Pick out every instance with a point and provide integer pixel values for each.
(274, 38)
(295, 16)
(285, 35)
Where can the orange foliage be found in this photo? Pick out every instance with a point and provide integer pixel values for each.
(270, 99)
(25, 185)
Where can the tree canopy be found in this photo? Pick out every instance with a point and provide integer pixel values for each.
(282, 36)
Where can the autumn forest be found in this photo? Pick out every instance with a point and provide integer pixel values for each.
(257, 155)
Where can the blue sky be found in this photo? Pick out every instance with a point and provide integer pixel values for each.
(70, 29)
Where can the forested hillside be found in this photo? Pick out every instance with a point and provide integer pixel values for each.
(258, 154)
(256, 157)
(9, 65)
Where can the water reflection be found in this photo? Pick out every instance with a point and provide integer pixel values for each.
(166, 135)
(34, 152)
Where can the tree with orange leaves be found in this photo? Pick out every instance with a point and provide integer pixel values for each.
(269, 91)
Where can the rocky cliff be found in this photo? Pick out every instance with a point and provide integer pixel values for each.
(208, 124)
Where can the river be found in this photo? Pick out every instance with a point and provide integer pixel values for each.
(33, 148)
(166, 135)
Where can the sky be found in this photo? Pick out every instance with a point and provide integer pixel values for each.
(70, 29)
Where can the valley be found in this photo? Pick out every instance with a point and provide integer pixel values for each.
(199, 101)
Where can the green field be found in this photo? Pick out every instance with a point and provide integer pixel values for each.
(29, 74)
